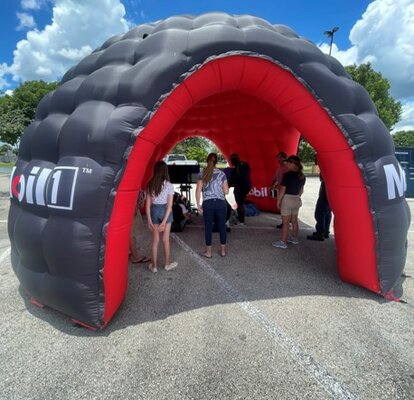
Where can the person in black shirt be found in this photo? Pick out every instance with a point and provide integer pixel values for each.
(289, 201)
(240, 180)
(323, 215)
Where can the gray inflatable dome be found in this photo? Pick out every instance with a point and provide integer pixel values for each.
(249, 86)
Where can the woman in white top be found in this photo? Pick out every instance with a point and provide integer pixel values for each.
(212, 183)
(158, 208)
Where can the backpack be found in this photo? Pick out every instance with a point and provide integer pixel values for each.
(251, 209)
(233, 220)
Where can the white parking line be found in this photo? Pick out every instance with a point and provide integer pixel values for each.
(316, 371)
(5, 254)
(241, 227)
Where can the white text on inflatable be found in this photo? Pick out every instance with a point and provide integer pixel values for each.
(258, 192)
(395, 180)
(53, 188)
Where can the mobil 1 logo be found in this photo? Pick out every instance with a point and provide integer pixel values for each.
(396, 181)
(53, 188)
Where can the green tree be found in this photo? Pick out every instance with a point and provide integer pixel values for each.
(12, 123)
(197, 153)
(27, 96)
(378, 87)
(4, 148)
(220, 155)
(191, 143)
(306, 152)
(404, 138)
(6, 151)
(18, 110)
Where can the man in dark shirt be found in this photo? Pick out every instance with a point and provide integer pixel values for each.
(240, 180)
(323, 215)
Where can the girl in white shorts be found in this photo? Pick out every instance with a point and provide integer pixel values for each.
(158, 208)
(289, 201)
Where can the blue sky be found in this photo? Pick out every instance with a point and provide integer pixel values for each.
(41, 39)
(307, 18)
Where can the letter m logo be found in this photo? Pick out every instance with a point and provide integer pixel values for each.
(395, 179)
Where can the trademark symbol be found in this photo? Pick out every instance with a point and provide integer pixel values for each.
(87, 170)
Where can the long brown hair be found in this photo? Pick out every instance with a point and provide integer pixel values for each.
(157, 181)
(209, 169)
(296, 160)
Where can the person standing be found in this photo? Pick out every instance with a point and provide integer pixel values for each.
(323, 215)
(212, 185)
(289, 201)
(158, 207)
(240, 180)
(137, 228)
(282, 168)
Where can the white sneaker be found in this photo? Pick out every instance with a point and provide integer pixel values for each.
(292, 240)
(152, 269)
(280, 244)
(171, 266)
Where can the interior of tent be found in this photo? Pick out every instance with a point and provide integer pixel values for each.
(241, 123)
(255, 108)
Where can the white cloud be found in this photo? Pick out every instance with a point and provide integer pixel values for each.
(3, 72)
(31, 4)
(384, 36)
(77, 28)
(407, 120)
(345, 57)
(75, 54)
(26, 21)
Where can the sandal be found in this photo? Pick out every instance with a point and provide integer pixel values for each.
(141, 260)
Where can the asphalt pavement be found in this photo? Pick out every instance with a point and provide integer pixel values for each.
(261, 323)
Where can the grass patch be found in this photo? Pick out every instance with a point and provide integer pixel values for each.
(6, 164)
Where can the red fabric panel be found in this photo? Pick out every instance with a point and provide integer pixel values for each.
(231, 72)
(254, 75)
(354, 237)
(253, 107)
(156, 129)
(115, 272)
(179, 101)
(354, 230)
(116, 255)
(209, 84)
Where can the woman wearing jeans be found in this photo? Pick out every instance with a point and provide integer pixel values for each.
(212, 183)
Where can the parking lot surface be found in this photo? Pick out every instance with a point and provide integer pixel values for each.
(261, 323)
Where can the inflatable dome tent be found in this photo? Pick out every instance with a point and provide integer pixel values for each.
(249, 86)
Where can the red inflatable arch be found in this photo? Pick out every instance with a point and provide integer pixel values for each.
(255, 108)
(249, 86)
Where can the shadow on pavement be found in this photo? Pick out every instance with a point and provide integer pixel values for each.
(253, 269)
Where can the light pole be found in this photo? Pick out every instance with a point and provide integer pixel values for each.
(331, 34)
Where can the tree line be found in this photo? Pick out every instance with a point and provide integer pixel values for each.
(17, 111)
